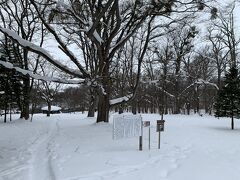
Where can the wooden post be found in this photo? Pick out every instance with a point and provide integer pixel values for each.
(159, 137)
(149, 138)
(141, 138)
(140, 143)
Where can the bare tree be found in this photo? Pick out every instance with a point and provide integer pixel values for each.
(47, 89)
(108, 25)
(219, 54)
(182, 45)
(19, 17)
(224, 29)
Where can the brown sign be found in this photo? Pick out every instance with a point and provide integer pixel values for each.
(160, 125)
(146, 123)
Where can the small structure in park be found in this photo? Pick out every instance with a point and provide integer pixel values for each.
(125, 126)
(54, 110)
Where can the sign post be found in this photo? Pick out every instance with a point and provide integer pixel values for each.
(147, 124)
(140, 143)
(160, 127)
(141, 138)
(149, 137)
(159, 139)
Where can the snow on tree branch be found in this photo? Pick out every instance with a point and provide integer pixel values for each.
(120, 100)
(90, 28)
(36, 76)
(62, 45)
(164, 91)
(155, 83)
(41, 51)
(201, 81)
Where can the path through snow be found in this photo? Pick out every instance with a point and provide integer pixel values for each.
(73, 147)
(43, 155)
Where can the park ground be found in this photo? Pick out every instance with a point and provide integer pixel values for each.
(74, 147)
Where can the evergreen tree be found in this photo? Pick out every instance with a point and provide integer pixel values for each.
(228, 101)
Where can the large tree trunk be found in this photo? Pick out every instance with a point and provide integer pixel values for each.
(134, 107)
(26, 87)
(103, 108)
(104, 95)
(93, 101)
(105, 90)
(91, 111)
(26, 99)
(49, 109)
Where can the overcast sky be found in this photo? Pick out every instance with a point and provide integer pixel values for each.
(205, 19)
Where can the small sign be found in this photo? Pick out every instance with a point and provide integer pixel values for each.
(160, 125)
(146, 123)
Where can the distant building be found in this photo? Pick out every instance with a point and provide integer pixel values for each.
(54, 110)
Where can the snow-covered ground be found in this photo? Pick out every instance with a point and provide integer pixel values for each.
(73, 147)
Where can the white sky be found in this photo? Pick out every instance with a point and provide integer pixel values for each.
(204, 19)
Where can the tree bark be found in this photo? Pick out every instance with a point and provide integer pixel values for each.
(91, 111)
(26, 99)
(232, 123)
(120, 110)
(166, 105)
(134, 107)
(177, 105)
(5, 112)
(103, 108)
(104, 90)
(93, 101)
(33, 109)
(188, 108)
(49, 109)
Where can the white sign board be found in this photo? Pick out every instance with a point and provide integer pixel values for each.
(125, 126)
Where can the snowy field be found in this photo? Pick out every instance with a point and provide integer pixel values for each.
(73, 147)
